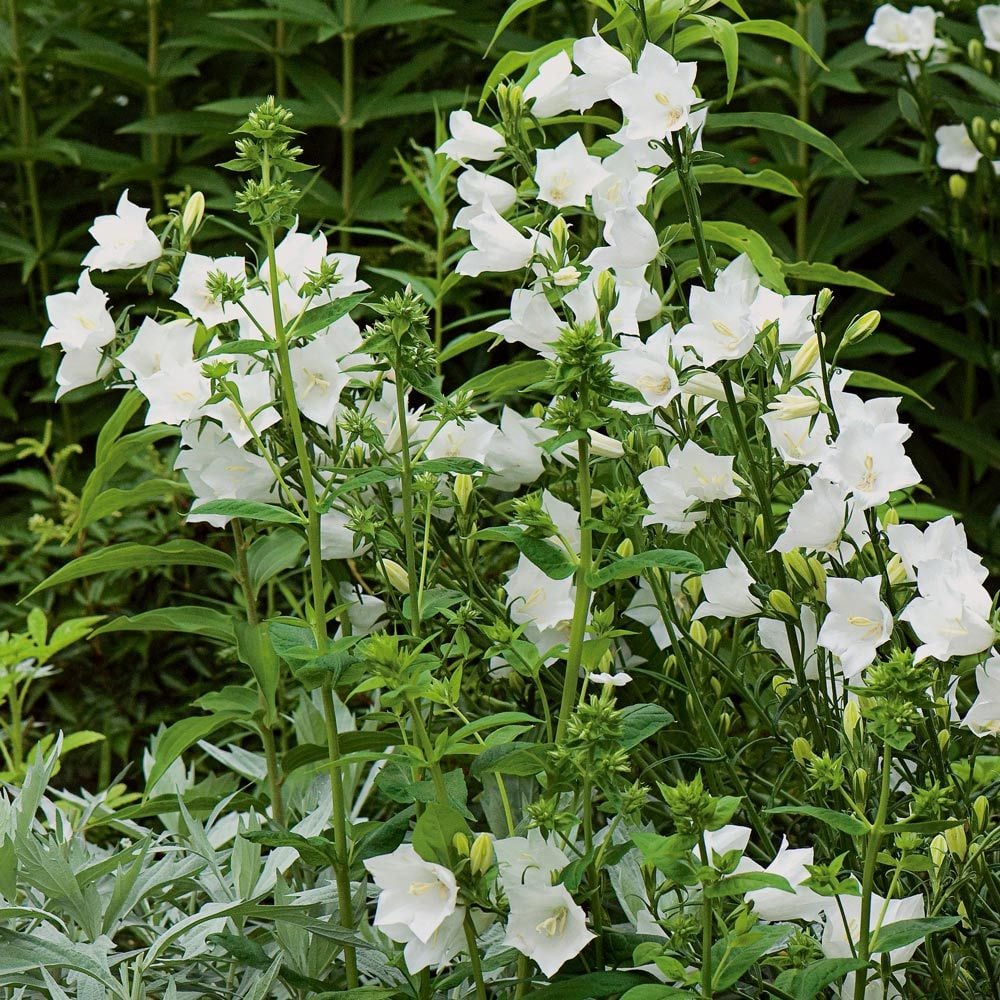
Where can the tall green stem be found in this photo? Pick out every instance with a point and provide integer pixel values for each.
(25, 133)
(581, 602)
(347, 37)
(868, 877)
(280, 84)
(153, 98)
(317, 586)
(406, 488)
(477, 966)
(424, 739)
(802, 110)
(706, 930)
(693, 210)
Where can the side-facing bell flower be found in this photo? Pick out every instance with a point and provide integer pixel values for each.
(546, 925)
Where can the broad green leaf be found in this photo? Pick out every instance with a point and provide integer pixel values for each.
(733, 955)
(188, 619)
(767, 28)
(829, 274)
(250, 510)
(595, 985)
(551, 559)
(904, 932)
(640, 722)
(112, 501)
(805, 984)
(737, 885)
(273, 554)
(181, 736)
(128, 555)
(507, 379)
(669, 560)
(323, 316)
(658, 991)
(869, 380)
(769, 121)
(254, 648)
(510, 15)
(743, 239)
(829, 817)
(435, 830)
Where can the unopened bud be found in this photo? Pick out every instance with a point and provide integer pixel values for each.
(890, 517)
(461, 844)
(957, 842)
(805, 358)
(980, 130)
(760, 531)
(396, 575)
(958, 186)
(939, 851)
(853, 722)
(481, 854)
(656, 457)
(819, 577)
(725, 723)
(559, 232)
(981, 813)
(802, 750)
(463, 490)
(607, 293)
(783, 604)
(896, 571)
(598, 498)
(625, 548)
(698, 632)
(963, 910)
(860, 781)
(794, 405)
(780, 685)
(995, 126)
(604, 446)
(194, 214)
(566, 277)
(797, 567)
(943, 738)
(863, 326)
(976, 52)
(823, 300)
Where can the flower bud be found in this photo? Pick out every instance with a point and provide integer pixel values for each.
(783, 604)
(780, 685)
(194, 214)
(802, 750)
(943, 738)
(890, 517)
(958, 186)
(625, 548)
(853, 722)
(566, 277)
(481, 855)
(797, 567)
(860, 783)
(957, 842)
(463, 490)
(604, 446)
(607, 293)
(819, 577)
(656, 457)
(976, 52)
(963, 911)
(760, 531)
(396, 576)
(597, 498)
(709, 384)
(559, 232)
(863, 326)
(896, 571)
(981, 813)
(699, 634)
(823, 300)
(980, 130)
(995, 126)
(805, 358)
(939, 851)
(461, 844)
(793, 405)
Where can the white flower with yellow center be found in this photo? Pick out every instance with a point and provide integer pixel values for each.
(546, 925)
(656, 99)
(80, 320)
(567, 174)
(901, 33)
(123, 239)
(857, 623)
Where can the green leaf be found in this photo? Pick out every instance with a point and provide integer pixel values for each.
(181, 736)
(188, 619)
(506, 379)
(273, 554)
(767, 28)
(829, 817)
(737, 885)
(733, 955)
(640, 722)
(254, 648)
(904, 932)
(669, 560)
(769, 121)
(593, 985)
(524, 759)
(128, 555)
(743, 239)
(828, 274)
(250, 510)
(323, 316)
(658, 991)
(869, 380)
(805, 984)
(510, 15)
(114, 500)
(511, 62)
(22, 952)
(435, 830)
(552, 560)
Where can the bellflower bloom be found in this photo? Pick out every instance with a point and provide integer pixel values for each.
(546, 925)
(941, 539)
(318, 378)
(956, 150)
(630, 240)
(533, 860)
(124, 240)
(80, 320)
(498, 246)
(820, 518)
(727, 591)
(471, 140)
(479, 190)
(775, 905)
(515, 455)
(700, 474)
(646, 368)
(533, 322)
(870, 462)
(901, 33)
(192, 288)
(989, 25)
(602, 65)
(552, 91)
(567, 174)
(857, 623)
(416, 894)
(983, 717)
(656, 99)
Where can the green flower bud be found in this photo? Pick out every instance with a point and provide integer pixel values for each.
(396, 576)
(194, 214)
(780, 685)
(853, 721)
(797, 567)
(804, 358)
(656, 457)
(463, 490)
(980, 130)
(862, 327)
(626, 548)
(823, 300)
(957, 842)
(699, 633)
(783, 604)
(802, 750)
(981, 813)
(958, 186)
(461, 844)
(939, 851)
(481, 854)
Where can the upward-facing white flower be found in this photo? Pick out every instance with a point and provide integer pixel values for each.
(546, 925)
(775, 905)
(701, 474)
(989, 24)
(531, 860)
(857, 623)
(956, 150)
(941, 539)
(533, 322)
(602, 65)
(515, 458)
(631, 242)
(471, 140)
(727, 591)
(901, 33)
(80, 320)
(537, 600)
(869, 461)
(656, 99)
(551, 92)
(819, 520)
(983, 717)
(192, 287)
(123, 240)
(418, 894)
(318, 378)
(479, 190)
(498, 246)
(646, 368)
(567, 174)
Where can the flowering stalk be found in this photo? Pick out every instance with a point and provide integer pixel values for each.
(153, 96)
(347, 37)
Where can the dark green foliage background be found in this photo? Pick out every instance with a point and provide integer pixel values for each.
(99, 96)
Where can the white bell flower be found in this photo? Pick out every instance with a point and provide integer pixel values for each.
(567, 174)
(631, 242)
(702, 475)
(602, 64)
(416, 894)
(536, 600)
(533, 322)
(79, 367)
(646, 368)
(656, 99)
(901, 33)
(515, 455)
(318, 378)
(988, 15)
(478, 190)
(856, 624)
(471, 140)
(124, 240)
(820, 519)
(772, 633)
(775, 905)
(956, 150)
(533, 860)
(727, 591)
(870, 462)
(546, 925)
(80, 320)
(552, 91)
(498, 246)
(983, 717)
(192, 288)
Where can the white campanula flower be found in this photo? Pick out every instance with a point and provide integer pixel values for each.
(318, 377)
(336, 537)
(552, 91)
(415, 894)
(256, 393)
(637, 302)
(438, 950)
(989, 24)
(772, 633)
(533, 322)
(515, 455)
(941, 539)
(702, 475)
(300, 255)
(614, 680)
(568, 174)
(956, 150)
(856, 624)
(721, 327)
(820, 519)
(602, 65)
(537, 601)
(901, 33)
(192, 288)
(630, 242)
(498, 246)
(727, 591)
(478, 190)
(534, 860)
(644, 609)
(983, 717)
(471, 140)
(79, 367)
(366, 612)
(656, 99)
(723, 841)
(792, 314)
(774, 905)
(842, 933)
(469, 439)
(80, 320)
(646, 368)
(546, 925)
(124, 240)
(624, 185)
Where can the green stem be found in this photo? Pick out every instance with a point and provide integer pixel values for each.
(25, 135)
(153, 98)
(693, 210)
(280, 85)
(706, 930)
(581, 603)
(868, 876)
(424, 739)
(406, 487)
(477, 967)
(346, 122)
(802, 72)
